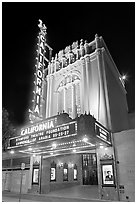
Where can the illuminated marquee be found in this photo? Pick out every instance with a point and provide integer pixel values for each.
(102, 133)
(40, 67)
(37, 128)
(43, 132)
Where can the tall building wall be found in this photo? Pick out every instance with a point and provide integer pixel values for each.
(116, 95)
(87, 81)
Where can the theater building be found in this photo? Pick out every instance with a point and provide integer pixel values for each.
(79, 110)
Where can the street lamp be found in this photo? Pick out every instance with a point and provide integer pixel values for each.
(124, 77)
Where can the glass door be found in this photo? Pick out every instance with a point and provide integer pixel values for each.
(89, 167)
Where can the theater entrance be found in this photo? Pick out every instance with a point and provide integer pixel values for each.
(89, 168)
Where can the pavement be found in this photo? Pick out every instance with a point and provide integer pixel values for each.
(73, 194)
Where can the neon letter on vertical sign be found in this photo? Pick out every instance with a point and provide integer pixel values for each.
(39, 71)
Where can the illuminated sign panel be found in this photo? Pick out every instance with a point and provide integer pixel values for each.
(39, 68)
(35, 176)
(75, 174)
(39, 72)
(53, 174)
(43, 132)
(102, 133)
(37, 128)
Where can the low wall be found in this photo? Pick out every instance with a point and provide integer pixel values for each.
(125, 154)
(11, 181)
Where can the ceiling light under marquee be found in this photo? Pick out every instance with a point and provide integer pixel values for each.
(30, 149)
(12, 152)
(85, 139)
(54, 145)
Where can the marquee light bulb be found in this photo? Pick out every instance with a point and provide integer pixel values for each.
(85, 139)
(12, 152)
(30, 149)
(74, 150)
(54, 145)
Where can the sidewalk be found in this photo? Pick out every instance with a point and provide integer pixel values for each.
(12, 197)
(64, 195)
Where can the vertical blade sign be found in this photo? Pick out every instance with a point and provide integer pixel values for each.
(39, 68)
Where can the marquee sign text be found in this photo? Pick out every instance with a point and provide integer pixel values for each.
(43, 132)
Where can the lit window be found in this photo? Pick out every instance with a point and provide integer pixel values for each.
(53, 172)
(75, 172)
(65, 172)
(35, 178)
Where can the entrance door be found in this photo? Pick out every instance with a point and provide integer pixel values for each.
(89, 166)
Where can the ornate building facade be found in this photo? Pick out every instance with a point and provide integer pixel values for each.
(79, 104)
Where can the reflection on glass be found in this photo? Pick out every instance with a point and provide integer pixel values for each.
(53, 174)
(65, 174)
(75, 174)
(35, 175)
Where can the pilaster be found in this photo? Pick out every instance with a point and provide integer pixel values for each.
(57, 95)
(87, 60)
(73, 101)
(84, 86)
(64, 90)
(102, 110)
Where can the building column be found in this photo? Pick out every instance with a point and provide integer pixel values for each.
(102, 106)
(84, 87)
(73, 101)
(81, 98)
(87, 59)
(64, 94)
(57, 95)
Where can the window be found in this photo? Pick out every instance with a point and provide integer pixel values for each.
(75, 172)
(53, 171)
(35, 177)
(65, 172)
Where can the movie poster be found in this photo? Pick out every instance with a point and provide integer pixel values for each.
(52, 174)
(108, 176)
(35, 175)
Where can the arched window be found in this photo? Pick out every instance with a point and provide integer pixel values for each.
(69, 95)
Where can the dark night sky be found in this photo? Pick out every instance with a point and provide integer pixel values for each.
(66, 23)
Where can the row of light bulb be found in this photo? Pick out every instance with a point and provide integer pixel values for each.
(54, 145)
